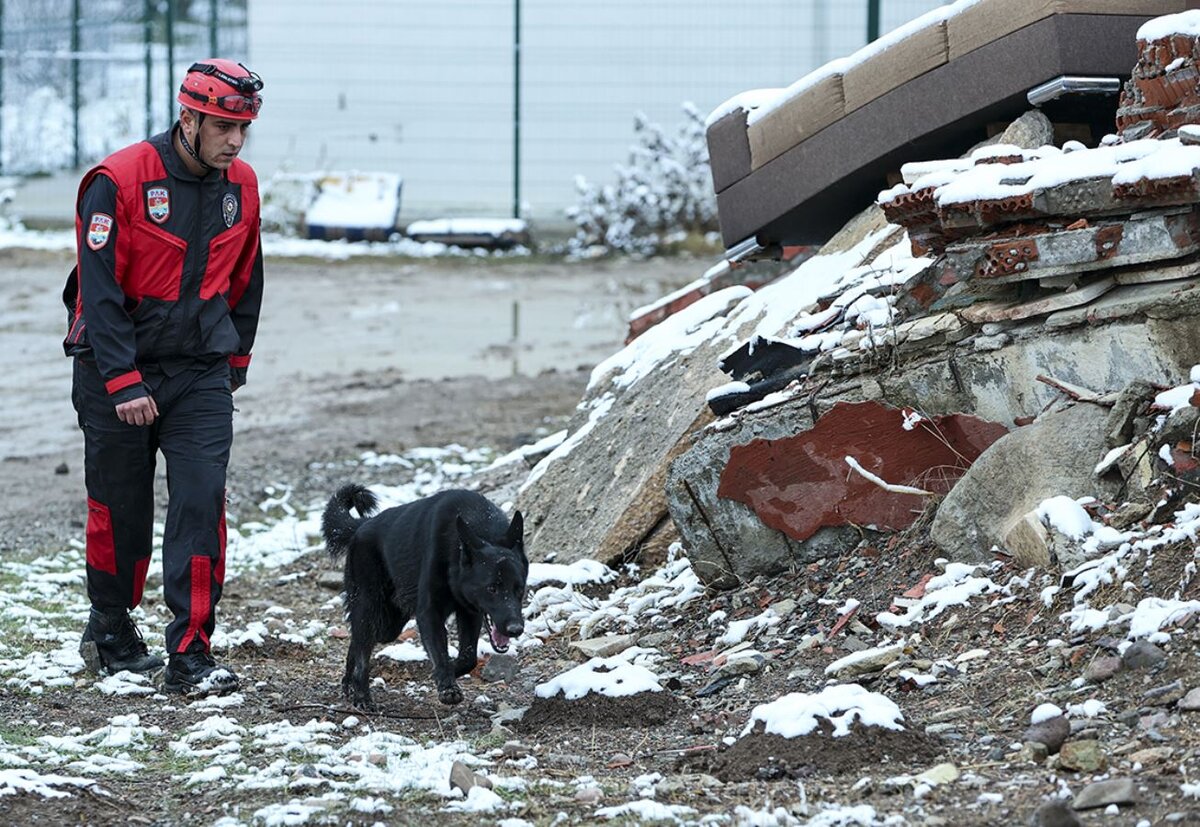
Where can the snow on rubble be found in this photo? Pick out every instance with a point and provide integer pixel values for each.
(955, 587)
(841, 705)
(788, 304)
(615, 677)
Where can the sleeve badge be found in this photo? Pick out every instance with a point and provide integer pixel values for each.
(99, 229)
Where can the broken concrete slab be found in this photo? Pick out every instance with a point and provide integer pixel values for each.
(1003, 311)
(803, 483)
(727, 541)
(1055, 455)
(1157, 236)
(1130, 301)
(1158, 272)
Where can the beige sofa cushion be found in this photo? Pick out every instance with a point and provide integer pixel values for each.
(807, 107)
(988, 20)
(914, 55)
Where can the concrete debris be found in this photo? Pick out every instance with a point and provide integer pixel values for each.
(1083, 756)
(1102, 793)
(1142, 654)
(606, 646)
(1055, 455)
(1052, 733)
(464, 778)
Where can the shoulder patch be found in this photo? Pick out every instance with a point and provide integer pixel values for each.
(158, 204)
(99, 229)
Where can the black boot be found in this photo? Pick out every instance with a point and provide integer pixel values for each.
(196, 673)
(112, 643)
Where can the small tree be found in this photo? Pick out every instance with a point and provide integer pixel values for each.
(664, 188)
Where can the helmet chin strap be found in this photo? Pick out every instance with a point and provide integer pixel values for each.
(195, 153)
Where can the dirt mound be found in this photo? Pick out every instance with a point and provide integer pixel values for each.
(642, 709)
(763, 757)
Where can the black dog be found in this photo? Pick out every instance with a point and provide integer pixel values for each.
(451, 553)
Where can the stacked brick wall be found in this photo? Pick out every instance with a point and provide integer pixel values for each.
(1164, 92)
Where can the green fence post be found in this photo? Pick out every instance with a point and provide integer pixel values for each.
(170, 36)
(148, 34)
(872, 20)
(212, 29)
(516, 108)
(75, 76)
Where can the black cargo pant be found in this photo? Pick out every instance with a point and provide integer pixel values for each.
(194, 431)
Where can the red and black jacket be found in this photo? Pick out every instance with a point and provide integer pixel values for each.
(170, 268)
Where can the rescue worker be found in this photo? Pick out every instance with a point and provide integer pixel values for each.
(162, 308)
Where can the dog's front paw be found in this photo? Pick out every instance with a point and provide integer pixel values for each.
(451, 695)
(359, 698)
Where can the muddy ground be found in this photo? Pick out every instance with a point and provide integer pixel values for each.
(326, 389)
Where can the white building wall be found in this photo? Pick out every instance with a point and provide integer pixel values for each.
(424, 88)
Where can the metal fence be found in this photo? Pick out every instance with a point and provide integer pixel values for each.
(78, 80)
(482, 106)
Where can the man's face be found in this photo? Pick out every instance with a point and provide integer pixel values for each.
(221, 139)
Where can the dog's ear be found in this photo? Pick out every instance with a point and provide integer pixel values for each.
(470, 542)
(515, 536)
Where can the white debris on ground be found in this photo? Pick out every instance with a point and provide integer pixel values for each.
(562, 610)
(955, 587)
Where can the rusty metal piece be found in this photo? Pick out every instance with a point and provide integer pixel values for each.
(1007, 258)
(1108, 241)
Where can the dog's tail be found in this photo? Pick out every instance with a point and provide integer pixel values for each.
(338, 524)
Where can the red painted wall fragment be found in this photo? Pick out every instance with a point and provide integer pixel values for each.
(802, 483)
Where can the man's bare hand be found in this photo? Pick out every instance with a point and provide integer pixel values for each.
(140, 411)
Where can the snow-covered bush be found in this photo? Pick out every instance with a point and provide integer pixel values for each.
(664, 189)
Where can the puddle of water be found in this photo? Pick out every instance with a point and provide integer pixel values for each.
(328, 321)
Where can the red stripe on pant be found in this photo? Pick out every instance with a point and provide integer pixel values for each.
(140, 567)
(101, 551)
(222, 538)
(201, 606)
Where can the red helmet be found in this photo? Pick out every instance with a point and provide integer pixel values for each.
(222, 88)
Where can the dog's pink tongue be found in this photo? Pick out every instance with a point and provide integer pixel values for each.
(498, 640)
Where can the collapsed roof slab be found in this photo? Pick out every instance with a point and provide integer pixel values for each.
(807, 192)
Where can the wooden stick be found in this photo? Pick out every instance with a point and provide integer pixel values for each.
(1074, 391)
